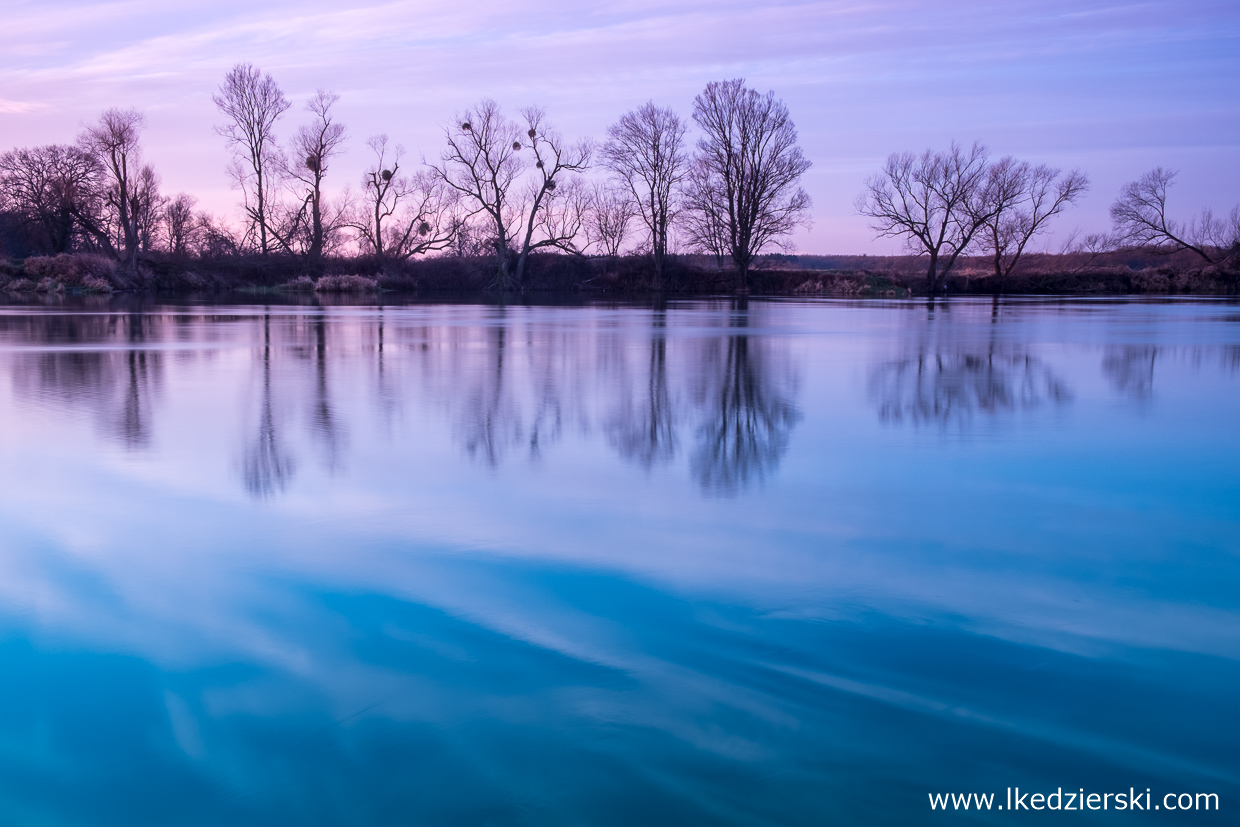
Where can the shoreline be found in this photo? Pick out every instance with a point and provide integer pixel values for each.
(629, 276)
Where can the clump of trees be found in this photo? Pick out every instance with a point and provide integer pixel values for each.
(944, 204)
(958, 202)
(503, 187)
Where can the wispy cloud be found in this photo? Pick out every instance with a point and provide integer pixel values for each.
(9, 107)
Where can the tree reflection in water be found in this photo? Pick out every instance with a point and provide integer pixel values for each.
(949, 387)
(747, 410)
(79, 367)
(947, 380)
(703, 389)
(1131, 370)
(324, 423)
(266, 467)
(488, 422)
(511, 382)
(642, 427)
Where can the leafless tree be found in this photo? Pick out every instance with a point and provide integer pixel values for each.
(934, 201)
(114, 141)
(705, 222)
(1083, 252)
(180, 228)
(147, 207)
(557, 216)
(646, 151)
(746, 172)
(311, 151)
(471, 240)
(558, 219)
(484, 161)
(215, 237)
(253, 103)
(610, 212)
(1140, 217)
(404, 215)
(1020, 200)
(482, 164)
(57, 190)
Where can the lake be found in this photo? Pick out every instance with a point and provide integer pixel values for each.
(706, 562)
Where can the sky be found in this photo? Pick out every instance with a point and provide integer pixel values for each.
(1114, 89)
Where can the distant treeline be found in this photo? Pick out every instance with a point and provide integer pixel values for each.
(510, 204)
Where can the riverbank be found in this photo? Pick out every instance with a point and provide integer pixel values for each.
(1117, 273)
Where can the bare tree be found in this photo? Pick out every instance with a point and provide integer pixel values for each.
(146, 207)
(557, 217)
(405, 215)
(746, 172)
(56, 190)
(310, 152)
(1020, 200)
(1083, 253)
(180, 228)
(1140, 217)
(646, 151)
(253, 103)
(610, 212)
(483, 163)
(934, 201)
(557, 220)
(114, 141)
(706, 221)
(215, 237)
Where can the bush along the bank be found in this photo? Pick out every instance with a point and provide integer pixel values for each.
(65, 273)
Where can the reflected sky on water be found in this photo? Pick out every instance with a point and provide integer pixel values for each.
(706, 562)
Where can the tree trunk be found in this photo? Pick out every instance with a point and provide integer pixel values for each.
(521, 262)
(316, 234)
(504, 274)
(932, 275)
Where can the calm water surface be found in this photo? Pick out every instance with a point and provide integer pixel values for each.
(776, 564)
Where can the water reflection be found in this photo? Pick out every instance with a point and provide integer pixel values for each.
(466, 564)
(510, 387)
(325, 425)
(1131, 370)
(746, 395)
(267, 467)
(643, 427)
(97, 363)
(949, 387)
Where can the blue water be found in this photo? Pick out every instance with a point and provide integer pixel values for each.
(783, 563)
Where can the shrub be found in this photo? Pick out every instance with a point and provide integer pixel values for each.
(94, 284)
(81, 272)
(299, 284)
(345, 284)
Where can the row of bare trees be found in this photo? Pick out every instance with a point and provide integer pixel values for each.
(945, 204)
(735, 196)
(503, 187)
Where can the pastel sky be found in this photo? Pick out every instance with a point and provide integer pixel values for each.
(1111, 88)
